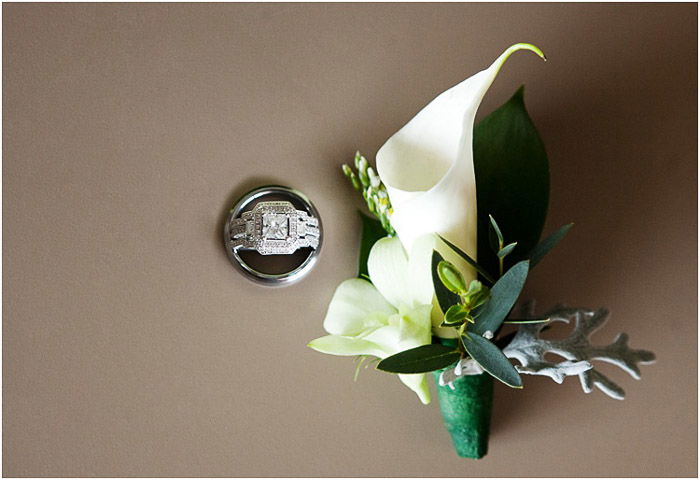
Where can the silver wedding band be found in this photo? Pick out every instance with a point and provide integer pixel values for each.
(273, 228)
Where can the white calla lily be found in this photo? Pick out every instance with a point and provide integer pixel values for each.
(428, 167)
(385, 317)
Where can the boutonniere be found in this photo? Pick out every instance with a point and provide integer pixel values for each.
(456, 229)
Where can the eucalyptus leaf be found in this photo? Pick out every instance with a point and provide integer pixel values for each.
(425, 358)
(504, 293)
(506, 250)
(445, 298)
(491, 359)
(512, 180)
(543, 248)
(372, 231)
(484, 273)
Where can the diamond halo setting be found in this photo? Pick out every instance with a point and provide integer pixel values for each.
(274, 228)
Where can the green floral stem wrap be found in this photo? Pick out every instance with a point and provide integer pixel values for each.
(466, 412)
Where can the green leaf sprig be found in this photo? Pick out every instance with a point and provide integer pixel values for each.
(475, 311)
(366, 181)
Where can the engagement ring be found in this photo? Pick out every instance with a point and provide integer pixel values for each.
(276, 227)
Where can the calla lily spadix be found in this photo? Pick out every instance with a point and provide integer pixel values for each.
(428, 167)
(387, 316)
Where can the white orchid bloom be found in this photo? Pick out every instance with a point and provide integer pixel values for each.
(387, 316)
(428, 167)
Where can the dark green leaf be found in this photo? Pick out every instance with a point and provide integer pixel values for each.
(491, 359)
(469, 260)
(425, 358)
(504, 293)
(506, 250)
(495, 235)
(372, 231)
(547, 244)
(445, 298)
(512, 180)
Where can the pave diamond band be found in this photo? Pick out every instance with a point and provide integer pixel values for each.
(273, 227)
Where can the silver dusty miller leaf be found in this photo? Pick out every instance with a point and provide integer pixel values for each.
(528, 349)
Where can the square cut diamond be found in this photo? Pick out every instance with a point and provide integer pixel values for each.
(275, 226)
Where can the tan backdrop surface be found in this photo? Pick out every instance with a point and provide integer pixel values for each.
(132, 347)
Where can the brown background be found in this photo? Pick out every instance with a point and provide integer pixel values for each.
(132, 347)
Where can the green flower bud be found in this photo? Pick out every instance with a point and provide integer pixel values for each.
(362, 172)
(374, 179)
(371, 205)
(451, 277)
(355, 182)
(367, 182)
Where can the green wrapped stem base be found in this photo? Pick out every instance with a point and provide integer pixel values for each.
(466, 412)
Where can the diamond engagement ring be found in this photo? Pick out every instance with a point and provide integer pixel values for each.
(274, 227)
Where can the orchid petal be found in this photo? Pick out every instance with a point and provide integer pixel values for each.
(427, 166)
(402, 280)
(341, 345)
(388, 268)
(355, 306)
(386, 339)
(415, 328)
(418, 383)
